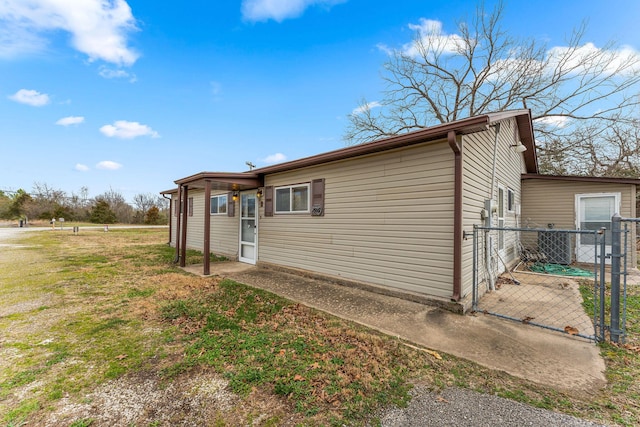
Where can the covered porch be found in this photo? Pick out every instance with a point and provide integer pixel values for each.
(232, 183)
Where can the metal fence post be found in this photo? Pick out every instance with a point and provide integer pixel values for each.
(603, 257)
(616, 253)
(475, 268)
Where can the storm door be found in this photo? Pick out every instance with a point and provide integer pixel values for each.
(248, 228)
(594, 211)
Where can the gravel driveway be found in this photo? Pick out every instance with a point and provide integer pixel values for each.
(455, 407)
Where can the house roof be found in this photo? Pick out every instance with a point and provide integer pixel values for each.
(604, 179)
(254, 178)
(464, 126)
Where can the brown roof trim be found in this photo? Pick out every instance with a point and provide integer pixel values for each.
(172, 191)
(525, 127)
(223, 180)
(604, 179)
(217, 176)
(464, 126)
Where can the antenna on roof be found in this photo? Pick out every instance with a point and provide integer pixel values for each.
(251, 165)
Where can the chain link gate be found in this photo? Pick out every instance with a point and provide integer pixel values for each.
(622, 233)
(550, 278)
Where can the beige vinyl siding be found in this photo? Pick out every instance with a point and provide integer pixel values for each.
(174, 219)
(224, 231)
(478, 151)
(554, 202)
(195, 223)
(388, 221)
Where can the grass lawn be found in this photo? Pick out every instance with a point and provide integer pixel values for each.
(101, 328)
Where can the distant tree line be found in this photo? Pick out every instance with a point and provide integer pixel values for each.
(45, 203)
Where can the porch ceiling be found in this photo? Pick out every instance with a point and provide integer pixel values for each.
(222, 181)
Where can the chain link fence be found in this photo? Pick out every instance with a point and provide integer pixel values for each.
(549, 278)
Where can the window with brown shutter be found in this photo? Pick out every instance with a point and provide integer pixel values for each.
(317, 197)
(218, 205)
(177, 207)
(190, 206)
(268, 201)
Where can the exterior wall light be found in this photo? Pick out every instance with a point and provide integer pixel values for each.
(235, 196)
(519, 148)
(259, 193)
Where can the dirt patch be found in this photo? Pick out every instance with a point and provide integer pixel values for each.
(195, 399)
(143, 399)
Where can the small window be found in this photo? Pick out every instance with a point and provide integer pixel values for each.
(219, 205)
(190, 206)
(511, 200)
(292, 199)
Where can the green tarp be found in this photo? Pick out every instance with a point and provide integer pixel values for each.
(558, 269)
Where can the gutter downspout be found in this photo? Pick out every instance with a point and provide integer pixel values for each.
(457, 215)
(207, 228)
(183, 236)
(488, 250)
(178, 224)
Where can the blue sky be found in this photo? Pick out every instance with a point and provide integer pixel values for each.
(132, 95)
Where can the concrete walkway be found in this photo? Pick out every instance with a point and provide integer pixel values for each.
(545, 357)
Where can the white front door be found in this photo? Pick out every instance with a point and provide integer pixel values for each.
(248, 228)
(594, 211)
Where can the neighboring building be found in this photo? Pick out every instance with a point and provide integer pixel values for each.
(580, 203)
(395, 214)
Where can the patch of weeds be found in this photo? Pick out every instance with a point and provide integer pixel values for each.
(193, 256)
(181, 308)
(89, 260)
(177, 369)
(169, 335)
(84, 422)
(20, 379)
(140, 293)
(108, 324)
(18, 415)
(60, 353)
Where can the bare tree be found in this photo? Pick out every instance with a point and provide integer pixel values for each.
(142, 202)
(574, 92)
(117, 204)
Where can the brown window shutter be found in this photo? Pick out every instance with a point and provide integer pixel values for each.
(231, 204)
(317, 197)
(176, 208)
(190, 206)
(268, 201)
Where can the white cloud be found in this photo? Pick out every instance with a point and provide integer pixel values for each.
(554, 121)
(71, 120)
(30, 97)
(430, 31)
(98, 28)
(624, 61)
(81, 168)
(368, 106)
(274, 158)
(109, 73)
(279, 10)
(108, 165)
(128, 130)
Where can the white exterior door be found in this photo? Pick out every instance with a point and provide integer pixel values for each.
(594, 211)
(248, 228)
